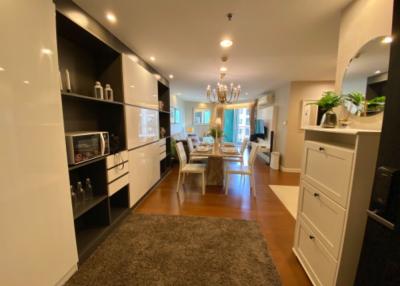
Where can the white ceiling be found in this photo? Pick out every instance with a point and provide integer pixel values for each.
(275, 41)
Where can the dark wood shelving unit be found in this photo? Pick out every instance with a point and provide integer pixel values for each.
(88, 60)
(165, 122)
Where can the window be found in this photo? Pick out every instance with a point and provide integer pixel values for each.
(175, 115)
(201, 116)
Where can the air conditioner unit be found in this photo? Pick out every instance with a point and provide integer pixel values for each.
(266, 100)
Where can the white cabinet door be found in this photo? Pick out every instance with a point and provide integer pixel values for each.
(326, 216)
(140, 86)
(141, 126)
(137, 174)
(328, 168)
(37, 239)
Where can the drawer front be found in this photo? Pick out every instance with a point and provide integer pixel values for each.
(326, 216)
(118, 184)
(116, 159)
(320, 266)
(329, 169)
(163, 155)
(163, 148)
(117, 171)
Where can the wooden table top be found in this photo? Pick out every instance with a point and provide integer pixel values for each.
(217, 152)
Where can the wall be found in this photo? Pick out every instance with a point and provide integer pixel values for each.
(282, 104)
(362, 21)
(178, 103)
(299, 91)
(189, 107)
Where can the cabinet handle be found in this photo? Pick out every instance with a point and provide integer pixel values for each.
(321, 149)
(311, 237)
(316, 195)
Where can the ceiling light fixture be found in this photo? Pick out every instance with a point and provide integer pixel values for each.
(46, 51)
(2, 69)
(223, 93)
(223, 69)
(153, 59)
(226, 43)
(26, 82)
(377, 72)
(387, 40)
(171, 76)
(111, 17)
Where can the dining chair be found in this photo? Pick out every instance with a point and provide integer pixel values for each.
(243, 171)
(242, 149)
(191, 149)
(188, 168)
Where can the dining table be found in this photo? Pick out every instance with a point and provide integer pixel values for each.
(215, 163)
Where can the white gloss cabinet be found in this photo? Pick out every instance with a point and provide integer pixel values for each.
(144, 170)
(141, 126)
(37, 241)
(140, 86)
(335, 189)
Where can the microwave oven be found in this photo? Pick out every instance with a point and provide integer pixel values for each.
(85, 146)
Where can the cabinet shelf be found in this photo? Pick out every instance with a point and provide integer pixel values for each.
(74, 167)
(83, 207)
(162, 111)
(75, 96)
(88, 239)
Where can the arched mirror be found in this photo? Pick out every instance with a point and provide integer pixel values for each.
(365, 78)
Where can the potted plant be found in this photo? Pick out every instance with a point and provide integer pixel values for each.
(216, 133)
(326, 103)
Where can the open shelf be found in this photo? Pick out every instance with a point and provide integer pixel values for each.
(119, 204)
(83, 207)
(75, 96)
(95, 160)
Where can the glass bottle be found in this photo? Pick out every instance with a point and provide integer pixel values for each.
(74, 198)
(80, 191)
(108, 93)
(88, 189)
(98, 90)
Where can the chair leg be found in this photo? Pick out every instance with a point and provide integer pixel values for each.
(183, 178)
(254, 184)
(179, 181)
(204, 184)
(227, 183)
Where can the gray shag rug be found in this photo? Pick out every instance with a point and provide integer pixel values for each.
(180, 250)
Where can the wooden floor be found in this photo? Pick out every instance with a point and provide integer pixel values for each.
(276, 223)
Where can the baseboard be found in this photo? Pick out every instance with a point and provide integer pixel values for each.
(67, 275)
(290, 170)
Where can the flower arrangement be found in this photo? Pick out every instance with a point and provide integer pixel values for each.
(215, 132)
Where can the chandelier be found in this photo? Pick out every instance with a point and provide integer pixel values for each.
(223, 93)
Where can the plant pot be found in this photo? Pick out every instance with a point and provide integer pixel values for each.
(329, 120)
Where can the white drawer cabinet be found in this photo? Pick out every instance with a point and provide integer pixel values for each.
(335, 189)
(117, 171)
(328, 167)
(116, 159)
(118, 185)
(315, 257)
(324, 214)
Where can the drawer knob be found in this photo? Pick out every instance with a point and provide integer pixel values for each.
(316, 195)
(321, 149)
(311, 237)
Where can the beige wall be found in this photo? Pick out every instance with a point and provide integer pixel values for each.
(299, 91)
(282, 104)
(361, 22)
(189, 107)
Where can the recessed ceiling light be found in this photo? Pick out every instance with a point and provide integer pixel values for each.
(152, 58)
(111, 17)
(178, 93)
(171, 76)
(26, 82)
(226, 43)
(377, 72)
(2, 69)
(157, 76)
(132, 86)
(387, 40)
(47, 51)
(223, 69)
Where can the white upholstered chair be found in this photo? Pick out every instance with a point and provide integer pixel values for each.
(192, 158)
(242, 149)
(243, 170)
(188, 168)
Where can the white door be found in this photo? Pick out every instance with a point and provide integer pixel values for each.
(37, 240)
(140, 86)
